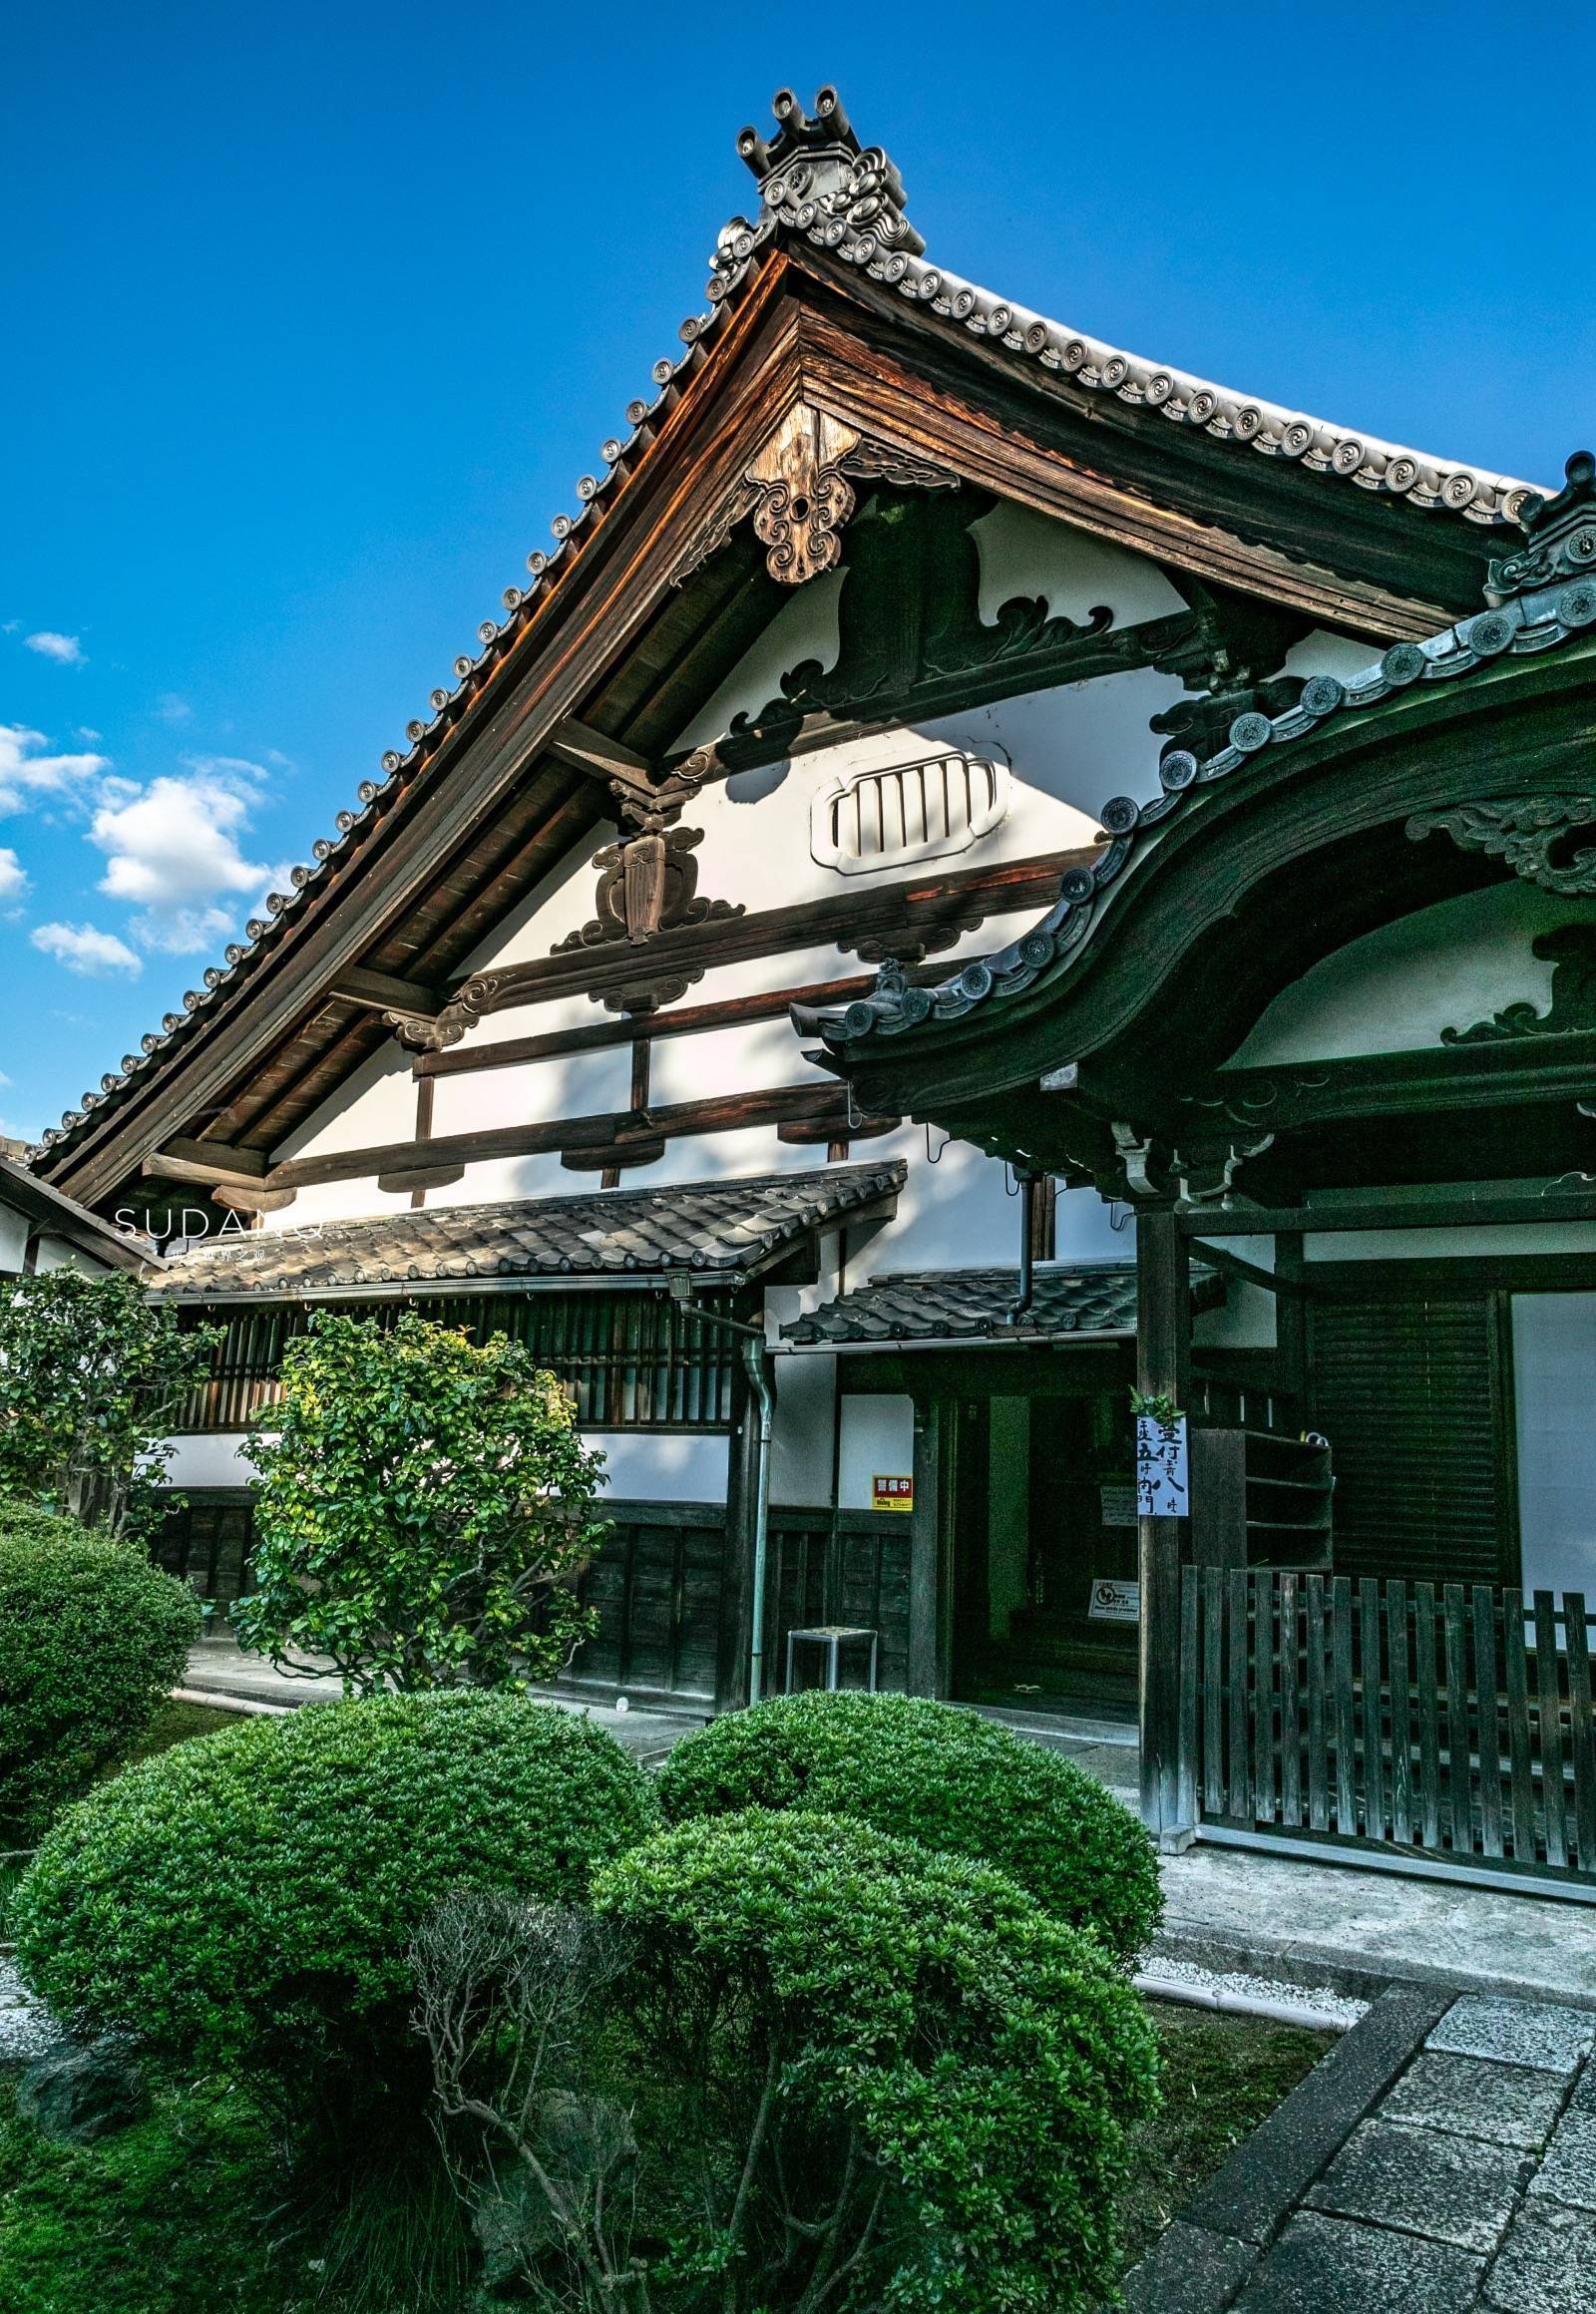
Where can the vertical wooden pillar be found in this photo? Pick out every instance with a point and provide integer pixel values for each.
(927, 1674)
(1163, 1365)
(736, 1551)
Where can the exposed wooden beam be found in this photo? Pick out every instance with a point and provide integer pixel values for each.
(386, 992)
(207, 1162)
(1443, 1212)
(722, 1113)
(645, 1027)
(594, 751)
(1251, 1272)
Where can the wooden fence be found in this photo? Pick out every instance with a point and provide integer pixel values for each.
(1452, 1725)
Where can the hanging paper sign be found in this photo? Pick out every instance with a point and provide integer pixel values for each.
(1119, 1498)
(1161, 1468)
(1113, 1601)
(892, 1494)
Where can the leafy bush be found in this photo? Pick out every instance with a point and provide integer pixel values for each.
(423, 1511)
(95, 1372)
(953, 1781)
(91, 1639)
(30, 1522)
(256, 1893)
(900, 2079)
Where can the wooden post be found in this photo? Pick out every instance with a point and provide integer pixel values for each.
(1163, 1365)
(927, 1605)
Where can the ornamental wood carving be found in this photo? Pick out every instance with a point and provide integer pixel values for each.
(1571, 952)
(799, 491)
(1530, 834)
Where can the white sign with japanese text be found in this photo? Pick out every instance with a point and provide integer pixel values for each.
(1161, 1490)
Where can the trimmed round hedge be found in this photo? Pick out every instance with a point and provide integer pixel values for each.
(92, 1641)
(258, 1891)
(985, 2059)
(952, 1782)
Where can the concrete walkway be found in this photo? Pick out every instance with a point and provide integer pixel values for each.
(1315, 1925)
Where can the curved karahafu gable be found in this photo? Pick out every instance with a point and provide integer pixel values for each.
(833, 203)
(917, 1039)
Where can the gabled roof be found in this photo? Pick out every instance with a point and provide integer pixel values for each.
(60, 1216)
(837, 204)
(910, 1308)
(726, 1230)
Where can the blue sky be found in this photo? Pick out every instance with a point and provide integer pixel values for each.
(314, 314)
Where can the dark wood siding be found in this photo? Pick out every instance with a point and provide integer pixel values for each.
(1414, 1399)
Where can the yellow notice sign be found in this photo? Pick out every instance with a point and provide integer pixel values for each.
(892, 1494)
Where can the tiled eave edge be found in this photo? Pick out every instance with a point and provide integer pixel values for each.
(731, 1265)
(1264, 427)
(1523, 628)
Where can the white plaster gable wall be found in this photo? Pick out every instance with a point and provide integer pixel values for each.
(1394, 989)
(1026, 553)
(1326, 653)
(13, 1239)
(61, 1254)
(375, 1103)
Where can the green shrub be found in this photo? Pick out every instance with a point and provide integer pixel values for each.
(909, 2066)
(92, 1640)
(256, 1893)
(30, 1522)
(953, 1781)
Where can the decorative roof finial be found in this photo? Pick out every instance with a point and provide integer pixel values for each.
(1563, 536)
(815, 171)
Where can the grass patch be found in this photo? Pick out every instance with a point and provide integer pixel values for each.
(177, 1722)
(1222, 2075)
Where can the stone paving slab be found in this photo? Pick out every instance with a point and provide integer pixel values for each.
(1188, 2271)
(1475, 2097)
(1324, 2265)
(1532, 2032)
(1452, 2189)
(1568, 2172)
(27, 2029)
(1264, 2179)
(1547, 2263)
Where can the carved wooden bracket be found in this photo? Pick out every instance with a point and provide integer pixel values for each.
(1532, 835)
(799, 491)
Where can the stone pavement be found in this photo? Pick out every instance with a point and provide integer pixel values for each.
(1446, 2166)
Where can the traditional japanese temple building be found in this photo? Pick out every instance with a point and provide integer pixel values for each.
(1267, 1085)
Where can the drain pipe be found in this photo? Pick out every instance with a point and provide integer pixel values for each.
(1028, 1239)
(753, 1357)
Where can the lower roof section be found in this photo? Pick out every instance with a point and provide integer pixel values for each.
(731, 1229)
(921, 1308)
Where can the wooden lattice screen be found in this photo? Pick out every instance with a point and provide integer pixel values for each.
(1451, 1722)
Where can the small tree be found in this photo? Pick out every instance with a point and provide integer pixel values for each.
(91, 1376)
(424, 1508)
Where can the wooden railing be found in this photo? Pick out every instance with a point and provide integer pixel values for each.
(1454, 1724)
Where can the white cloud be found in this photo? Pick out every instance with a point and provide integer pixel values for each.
(86, 736)
(25, 774)
(84, 950)
(172, 709)
(65, 649)
(13, 883)
(172, 852)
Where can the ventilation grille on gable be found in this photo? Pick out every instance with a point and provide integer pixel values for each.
(908, 811)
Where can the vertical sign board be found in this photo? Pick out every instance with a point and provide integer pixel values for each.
(1161, 1490)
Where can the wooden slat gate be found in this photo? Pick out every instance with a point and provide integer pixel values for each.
(1451, 1727)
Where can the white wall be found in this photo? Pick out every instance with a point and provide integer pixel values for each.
(876, 1439)
(1395, 990)
(13, 1239)
(663, 1466)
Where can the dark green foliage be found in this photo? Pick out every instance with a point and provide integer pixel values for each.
(255, 1894)
(165, 2217)
(900, 2051)
(91, 1639)
(947, 1778)
(28, 1522)
(423, 1511)
(95, 1372)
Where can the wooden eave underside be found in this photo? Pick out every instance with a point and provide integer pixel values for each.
(491, 811)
